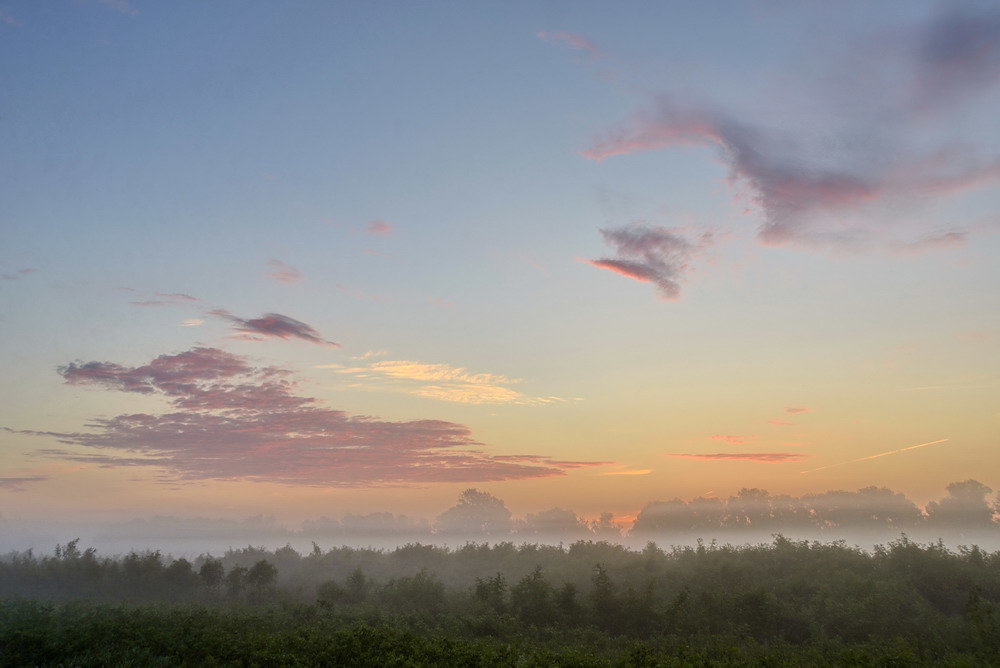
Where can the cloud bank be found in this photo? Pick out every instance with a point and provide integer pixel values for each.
(231, 420)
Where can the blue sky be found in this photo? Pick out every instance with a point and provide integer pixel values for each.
(597, 235)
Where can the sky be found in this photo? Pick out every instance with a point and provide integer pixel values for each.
(318, 258)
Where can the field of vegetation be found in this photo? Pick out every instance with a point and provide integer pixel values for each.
(586, 604)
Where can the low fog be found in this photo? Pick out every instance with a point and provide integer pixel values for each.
(966, 515)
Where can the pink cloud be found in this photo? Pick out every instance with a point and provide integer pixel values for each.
(170, 374)
(795, 410)
(283, 273)
(652, 254)
(780, 423)
(572, 41)
(380, 228)
(786, 191)
(273, 326)
(766, 457)
(732, 439)
(233, 421)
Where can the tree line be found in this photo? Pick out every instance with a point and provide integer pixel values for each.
(917, 602)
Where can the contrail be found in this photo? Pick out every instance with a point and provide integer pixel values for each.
(881, 454)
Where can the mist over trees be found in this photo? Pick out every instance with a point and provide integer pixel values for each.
(478, 582)
(796, 602)
(969, 512)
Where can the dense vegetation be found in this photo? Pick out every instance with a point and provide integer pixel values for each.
(591, 603)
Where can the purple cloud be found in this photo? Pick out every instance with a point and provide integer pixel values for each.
(824, 182)
(283, 273)
(234, 421)
(273, 326)
(572, 41)
(957, 53)
(652, 254)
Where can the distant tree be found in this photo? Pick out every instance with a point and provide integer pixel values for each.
(330, 593)
(492, 592)
(531, 598)
(555, 522)
(211, 572)
(706, 513)
(964, 507)
(423, 593)
(567, 604)
(791, 512)
(749, 509)
(236, 580)
(604, 527)
(262, 575)
(180, 573)
(662, 517)
(356, 586)
(603, 601)
(476, 514)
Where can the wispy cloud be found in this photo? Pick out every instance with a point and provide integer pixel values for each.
(765, 457)
(876, 456)
(166, 299)
(652, 254)
(380, 228)
(795, 410)
(234, 421)
(273, 326)
(442, 381)
(733, 439)
(193, 322)
(629, 472)
(572, 41)
(437, 372)
(20, 273)
(369, 354)
(780, 423)
(283, 273)
(16, 484)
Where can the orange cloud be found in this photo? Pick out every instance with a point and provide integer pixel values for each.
(766, 457)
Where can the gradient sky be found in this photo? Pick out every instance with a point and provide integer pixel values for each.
(312, 258)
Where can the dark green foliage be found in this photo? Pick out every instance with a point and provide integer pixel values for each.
(531, 599)
(785, 603)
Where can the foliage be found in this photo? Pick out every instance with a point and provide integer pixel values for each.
(784, 603)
